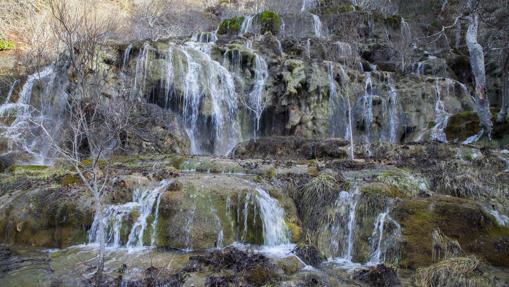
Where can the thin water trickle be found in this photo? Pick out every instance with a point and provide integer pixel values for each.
(367, 110)
(317, 26)
(393, 112)
(126, 56)
(247, 24)
(256, 97)
(441, 115)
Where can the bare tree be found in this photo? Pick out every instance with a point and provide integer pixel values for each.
(93, 123)
(476, 52)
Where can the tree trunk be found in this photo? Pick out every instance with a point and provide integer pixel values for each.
(478, 70)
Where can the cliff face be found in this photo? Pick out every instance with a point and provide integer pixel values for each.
(346, 137)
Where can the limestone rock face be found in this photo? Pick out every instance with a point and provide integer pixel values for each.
(45, 217)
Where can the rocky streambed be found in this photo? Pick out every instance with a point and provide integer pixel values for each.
(404, 214)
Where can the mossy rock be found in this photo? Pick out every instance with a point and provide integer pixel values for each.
(230, 26)
(71, 179)
(459, 219)
(269, 22)
(462, 125)
(382, 190)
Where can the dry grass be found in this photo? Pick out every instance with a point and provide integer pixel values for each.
(458, 272)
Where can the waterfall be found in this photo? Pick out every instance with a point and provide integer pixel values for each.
(188, 242)
(282, 29)
(308, 48)
(11, 91)
(406, 36)
(246, 24)
(126, 56)
(340, 110)
(335, 120)
(419, 69)
(501, 219)
(219, 226)
(317, 26)
(279, 46)
(204, 37)
(393, 113)
(272, 214)
(256, 98)
(201, 91)
(344, 52)
(379, 243)
(343, 230)
(367, 109)
(31, 113)
(441, 116)
(474, 138)
(115, 219)
(141, 70)
(307, 4)
(377, 237)
(406, 32)
(349, 114)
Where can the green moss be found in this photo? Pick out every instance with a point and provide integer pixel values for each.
(230, 26)
(31, 167)
(6, 45)
(459, 219)
(295, 231)
(269, 22)
(88, 163)
(382, 189)
(70, 179)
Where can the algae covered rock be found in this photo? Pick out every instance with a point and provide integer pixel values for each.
(458, 219)
(215, 211)
(45, 217)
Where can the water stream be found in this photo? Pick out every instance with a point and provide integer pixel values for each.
(116, 218)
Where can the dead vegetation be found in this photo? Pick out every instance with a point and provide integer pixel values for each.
(458, 272)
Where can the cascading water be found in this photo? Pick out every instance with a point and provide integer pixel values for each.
(349, 115)
(204, 37)
(393, 113)
(308, 48)
(256, 98)
(307, 4)
(317, 26)
(344, 52)
(115, 220)
(501, 219)
(272, 215)
(419, 69)
(441, 116)
(367, 109)
(247, 24)
(126, 56)
(201, 91)
(342, 239)
(383, 240)
(31, 113)
(379, 243)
